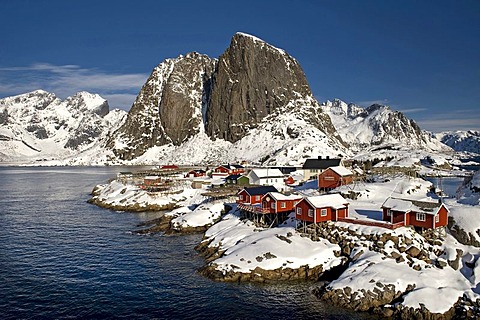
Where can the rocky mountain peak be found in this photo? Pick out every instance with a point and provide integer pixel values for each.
(252, 80)
(88, 102)
(168, 108)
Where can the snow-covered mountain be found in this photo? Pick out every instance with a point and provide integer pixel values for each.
(378, 127)
(253, 103)
(38, 125)
(468, 141)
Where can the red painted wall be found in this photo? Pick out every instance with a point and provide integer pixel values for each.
(246, 197)
(443, 213)
(329, 179)
(304, 205)
(428, 223)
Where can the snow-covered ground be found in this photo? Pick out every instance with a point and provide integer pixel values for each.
(247, 247)
(381, 259)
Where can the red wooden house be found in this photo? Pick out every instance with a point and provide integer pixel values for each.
(225, 170)
(275, 202)
(327, 207)
(334, 177)
(152, 180)
(169, 167)
(419, 214)
(253, 195)
(195, 173)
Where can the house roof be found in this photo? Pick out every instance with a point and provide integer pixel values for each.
(280, 196)
(233, 177)
(231, 166)
(151, 177)
(321, 163)
(267, 173)
(334, 200)
(407, 205)
(341, 171)
(255, 191)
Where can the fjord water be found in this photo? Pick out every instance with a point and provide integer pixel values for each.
(61, 257)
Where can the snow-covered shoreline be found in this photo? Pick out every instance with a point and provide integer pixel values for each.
(391, 272)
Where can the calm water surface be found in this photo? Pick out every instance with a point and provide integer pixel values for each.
(63, 258)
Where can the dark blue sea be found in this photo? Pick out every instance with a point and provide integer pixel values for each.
(62, 258)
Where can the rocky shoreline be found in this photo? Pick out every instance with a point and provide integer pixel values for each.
(412, 251)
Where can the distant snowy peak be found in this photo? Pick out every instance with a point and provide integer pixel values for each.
(39, 125)
(377, 126)
(468, 141)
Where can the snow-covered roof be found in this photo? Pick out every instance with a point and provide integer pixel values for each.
(335, 201)
(267, 173)
(407, 205)
(342, 171)
(218, 182)
(152, 177)
(280, 196)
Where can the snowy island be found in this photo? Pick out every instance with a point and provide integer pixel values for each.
(360, 258)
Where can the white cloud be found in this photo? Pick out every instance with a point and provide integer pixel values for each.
(368, 103)
(460, 119)
(66, 80)
(413, 110)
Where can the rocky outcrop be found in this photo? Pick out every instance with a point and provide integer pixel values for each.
(461, 235)
(168, 108)
(252, 80)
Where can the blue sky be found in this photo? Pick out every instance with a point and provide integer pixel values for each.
(419, 57)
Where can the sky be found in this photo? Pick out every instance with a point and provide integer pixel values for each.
(418, 57)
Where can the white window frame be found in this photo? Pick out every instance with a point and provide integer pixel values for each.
(283, 204)
(299, 211)
(257, 198)
(272, 205)
(310, 212)
(437, 218)
(323, 212)
(420, 216)
(389, 212)
(240, 196)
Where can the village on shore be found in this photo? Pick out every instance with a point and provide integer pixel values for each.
(401, 249)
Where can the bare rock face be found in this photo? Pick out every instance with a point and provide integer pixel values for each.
(252, 80)
(168, 108)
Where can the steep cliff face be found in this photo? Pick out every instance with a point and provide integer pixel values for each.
(168, 108)
(252, 80)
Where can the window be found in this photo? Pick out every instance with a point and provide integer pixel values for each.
(420, 216)
(389, 213)
(283, 205)
(240, 197)
(437, 218)
(299, 211)
(329, 178)
(310, 212)
(272, 205)
(323, 212)
(257, 198)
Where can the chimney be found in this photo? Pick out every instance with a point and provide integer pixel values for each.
(319, 157)
(328, 157)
